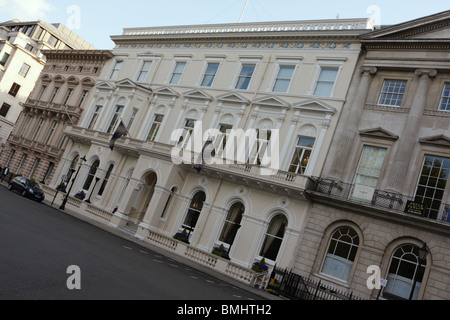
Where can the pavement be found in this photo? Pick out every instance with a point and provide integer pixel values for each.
(180, 259)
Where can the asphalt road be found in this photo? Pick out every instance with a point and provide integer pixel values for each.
(39, 243)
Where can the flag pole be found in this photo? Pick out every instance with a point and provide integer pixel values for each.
(243, 11)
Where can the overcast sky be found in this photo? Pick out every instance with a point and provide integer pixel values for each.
(96, 20)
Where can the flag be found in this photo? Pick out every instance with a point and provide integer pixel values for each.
(120, 132)
(205, 156)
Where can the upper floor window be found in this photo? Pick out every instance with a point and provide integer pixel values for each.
(245, 76)
(392, 93)
(4, 59)
(115, 119)
(95, 115)
(116, 69)
(445, 99)
(177, 72)
(24, 70)
(55, 93)
(154, 129)
(368, 172)
(143, 73)
(432, 183)
(325, 83)
(14, 89)
(4, 109)
(210, 74)
(302, 155)
(83, 98)
(283, 79)
(341, 253)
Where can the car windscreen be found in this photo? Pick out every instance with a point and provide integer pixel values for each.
(34, 185)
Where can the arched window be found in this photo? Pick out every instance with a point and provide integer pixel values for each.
(194, 211)
(405, 269)
(91, 175)
(232, 223)
(274, 237)
(105, 181)
(341, 253)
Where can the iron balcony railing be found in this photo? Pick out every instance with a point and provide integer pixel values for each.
(379, 198)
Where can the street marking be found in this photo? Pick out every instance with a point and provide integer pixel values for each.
(143, 252)
(210, 281)
(194, 277)
(173, 265)
(128, 248)
(157, 261)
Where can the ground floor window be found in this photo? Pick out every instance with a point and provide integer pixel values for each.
(405, 272)
(341, 253)
(274, 237)
(194, 211)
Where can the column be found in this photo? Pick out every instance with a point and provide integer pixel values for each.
(348, 129)
(403, 151)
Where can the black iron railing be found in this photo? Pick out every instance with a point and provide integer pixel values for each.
(379, 198)
(296, 287)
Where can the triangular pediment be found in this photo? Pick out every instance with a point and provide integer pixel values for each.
(198, 94)
(234, 98)
(166, 91)
(379, 133)
(433, 27)
(272, 101)
(130, 84)
(315, 106)
(126, 83)
(104, 85)
(439, 140)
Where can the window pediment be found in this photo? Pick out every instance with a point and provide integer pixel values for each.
(379, 133)
(439, 140)
(272, 101)
(197, 94)
(166, 91)
(234, 98)
(315, 106)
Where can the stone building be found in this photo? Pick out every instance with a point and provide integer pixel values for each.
(383, 194)
(37, 141)
(22, 60)
(283, 84)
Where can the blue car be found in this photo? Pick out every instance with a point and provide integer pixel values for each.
(27, 188)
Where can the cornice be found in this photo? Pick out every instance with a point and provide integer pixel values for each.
(78, 55)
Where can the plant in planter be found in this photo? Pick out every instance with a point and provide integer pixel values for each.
(219, 250)
(182, 236)
(115, 210)
(260, 266)
(80, 195)
(61, 187)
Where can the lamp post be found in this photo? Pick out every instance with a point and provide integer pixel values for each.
(423, 252)
(96, 181)
(63, 205)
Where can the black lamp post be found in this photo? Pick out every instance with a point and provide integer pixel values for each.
(96, 181)
(236, 228)
(63, 205)
(423, 252)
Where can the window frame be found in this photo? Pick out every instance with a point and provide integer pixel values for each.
(382, 92)
(277, 78)
(446, 88)
(305, 149)
(205, 76)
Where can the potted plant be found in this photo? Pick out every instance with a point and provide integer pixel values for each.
(80, 195)
(182, 236)
(260, 266)
(61, 187)
(219, 250)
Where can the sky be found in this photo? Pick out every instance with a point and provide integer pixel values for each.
(96, 20)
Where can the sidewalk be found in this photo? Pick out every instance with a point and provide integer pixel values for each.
(192, 264)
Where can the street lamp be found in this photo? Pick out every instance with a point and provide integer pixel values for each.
(63, 205)
(423, 252)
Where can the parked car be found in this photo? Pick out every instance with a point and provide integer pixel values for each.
(27, 188)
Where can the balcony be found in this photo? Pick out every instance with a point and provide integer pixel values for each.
(36, 146)
(281, 182)
(50, 107)
(376, 199)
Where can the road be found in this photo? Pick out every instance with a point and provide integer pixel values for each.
(39, 243)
